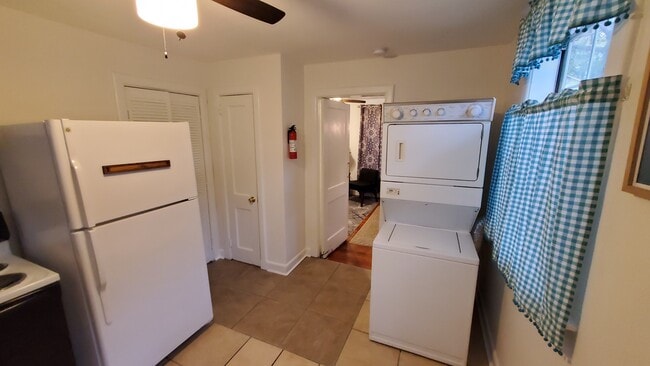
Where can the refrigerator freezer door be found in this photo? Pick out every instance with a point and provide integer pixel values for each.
(146, 282)
(122, 168)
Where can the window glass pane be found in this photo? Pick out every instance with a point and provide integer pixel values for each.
(586, 56)
(543, 81)
(602, 40)
(578, 57)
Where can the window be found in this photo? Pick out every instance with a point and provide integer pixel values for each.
(584, 58)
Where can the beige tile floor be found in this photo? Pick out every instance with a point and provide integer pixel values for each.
(317, 315)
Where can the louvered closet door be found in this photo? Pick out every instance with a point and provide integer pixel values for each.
(186, 108)
(147, 105)
(162, 106)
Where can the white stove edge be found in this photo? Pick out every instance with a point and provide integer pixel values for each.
(37, 276)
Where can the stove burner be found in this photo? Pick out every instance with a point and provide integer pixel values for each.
(3, 266)
(11, 279)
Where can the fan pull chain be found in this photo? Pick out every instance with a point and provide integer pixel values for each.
(165, 43)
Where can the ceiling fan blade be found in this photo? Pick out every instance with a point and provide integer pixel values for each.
(254, 8)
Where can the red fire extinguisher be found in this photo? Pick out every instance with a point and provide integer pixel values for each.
(292, 137)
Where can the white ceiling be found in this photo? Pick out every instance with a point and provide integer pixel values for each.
(312, 31)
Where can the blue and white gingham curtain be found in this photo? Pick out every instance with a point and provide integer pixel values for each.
(547, 28)
(544, 191)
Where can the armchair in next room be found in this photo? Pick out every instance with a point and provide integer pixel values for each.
(367, 182)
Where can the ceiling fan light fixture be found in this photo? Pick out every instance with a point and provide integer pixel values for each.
(171, 14)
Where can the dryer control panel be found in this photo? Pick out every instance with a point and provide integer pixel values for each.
(458, 110)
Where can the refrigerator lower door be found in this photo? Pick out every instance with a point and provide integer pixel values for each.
(146, 282)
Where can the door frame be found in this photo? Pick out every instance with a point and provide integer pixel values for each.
(315, 238)
(219, 168)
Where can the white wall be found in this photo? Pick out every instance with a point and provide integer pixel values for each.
(294, 170)
(470, 73)
(263, 77)
(50, 70)
(614, 325)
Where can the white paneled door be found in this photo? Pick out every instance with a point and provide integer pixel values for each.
(238, 122)
(334, 118)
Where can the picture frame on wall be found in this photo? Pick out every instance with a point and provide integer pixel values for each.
(637, 173)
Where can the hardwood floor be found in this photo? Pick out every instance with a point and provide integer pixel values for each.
(356, 255)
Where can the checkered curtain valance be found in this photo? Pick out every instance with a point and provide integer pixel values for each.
(543, 196)
(547, 28)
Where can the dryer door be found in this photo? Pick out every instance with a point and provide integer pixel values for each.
(437, 153)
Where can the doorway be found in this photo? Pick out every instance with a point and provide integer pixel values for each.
(317, 240)
(364, 160)
(365, 153)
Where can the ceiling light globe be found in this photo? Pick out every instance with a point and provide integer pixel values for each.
(172, 14)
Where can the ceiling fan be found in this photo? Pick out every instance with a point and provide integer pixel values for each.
(255, 9)
(182, 14)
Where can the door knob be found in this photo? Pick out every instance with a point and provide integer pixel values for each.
(251, 200)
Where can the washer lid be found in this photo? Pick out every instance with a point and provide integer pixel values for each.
(420, 240)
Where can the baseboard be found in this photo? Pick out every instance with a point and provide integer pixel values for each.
(286, 268)
(488, 338)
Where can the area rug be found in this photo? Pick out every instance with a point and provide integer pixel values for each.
(368, 230)
(358, 213)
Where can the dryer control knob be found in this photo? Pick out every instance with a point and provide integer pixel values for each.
(413, 112)
(426, 112)
(397, 113)
(474, 110)
(440, 112)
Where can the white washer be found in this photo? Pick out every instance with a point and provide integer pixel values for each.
(425, 264)
(423, 291)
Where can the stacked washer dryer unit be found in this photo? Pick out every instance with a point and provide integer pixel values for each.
(425, 264)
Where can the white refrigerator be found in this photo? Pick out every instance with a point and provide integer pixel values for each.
(111, 206)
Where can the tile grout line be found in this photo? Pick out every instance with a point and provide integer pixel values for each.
(292, 328)
(338, 265)
(242, 318)
(319, 290)
(249, 311)
(278, 356)
(346, 342)
(323, 285)
(307, 308)
(239, 349)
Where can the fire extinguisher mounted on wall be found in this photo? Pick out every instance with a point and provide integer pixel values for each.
(292, 136)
